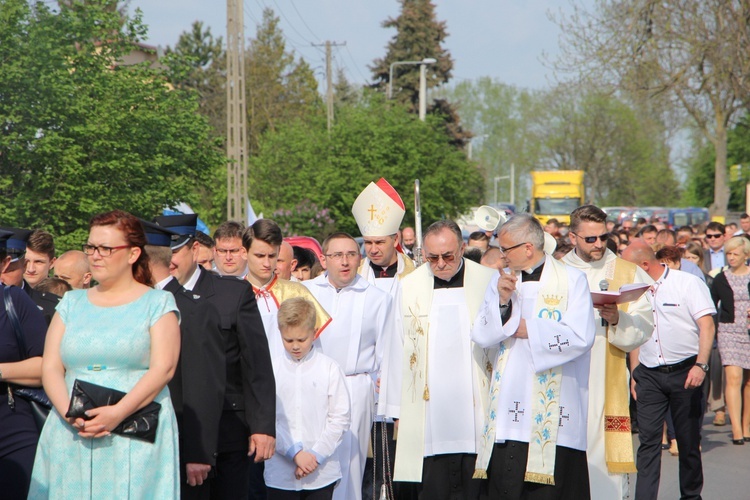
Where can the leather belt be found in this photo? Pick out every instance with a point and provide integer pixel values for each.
(675, 367)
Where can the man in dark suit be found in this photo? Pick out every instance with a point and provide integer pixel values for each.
(714, 257)
(13, 275)
(247, 425)
(197, 387)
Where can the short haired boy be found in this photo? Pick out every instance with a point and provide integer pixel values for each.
(312, 411)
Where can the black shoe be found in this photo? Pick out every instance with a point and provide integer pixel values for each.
(739, 441)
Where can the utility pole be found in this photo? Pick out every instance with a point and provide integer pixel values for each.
(329, 78)
(236, 114)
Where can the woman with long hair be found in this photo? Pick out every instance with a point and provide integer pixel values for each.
(122, 335)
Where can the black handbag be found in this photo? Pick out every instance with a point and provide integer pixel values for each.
(37, 398)
(87, 396)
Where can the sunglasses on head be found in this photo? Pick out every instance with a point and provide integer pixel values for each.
(712, 236)
(592, 239)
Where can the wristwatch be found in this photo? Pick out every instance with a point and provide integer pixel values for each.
(702, 366)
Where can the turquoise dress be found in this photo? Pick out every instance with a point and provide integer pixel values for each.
(108, 346)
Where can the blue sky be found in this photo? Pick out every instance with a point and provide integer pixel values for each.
(503, 39)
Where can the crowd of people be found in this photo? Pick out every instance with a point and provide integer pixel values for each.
(493, 370)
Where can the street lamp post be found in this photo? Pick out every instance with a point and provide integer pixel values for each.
(422, 82)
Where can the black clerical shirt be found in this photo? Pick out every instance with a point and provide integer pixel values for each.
(457, 281)
(388, 272)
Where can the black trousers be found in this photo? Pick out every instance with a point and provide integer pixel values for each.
(448, 477)
(657, 392)
(324, 493)
(508, 467)
(15, 472)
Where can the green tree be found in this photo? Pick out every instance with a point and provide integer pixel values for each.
(81, 135)
(418, 35)
(692, 52)
(279, 87)
(700, 185)
(300, 161)
(504, 118)
(624, 160)
(198, 62)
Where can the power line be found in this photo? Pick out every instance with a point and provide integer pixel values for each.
(364, 78)
(289, 22)
(303, 20)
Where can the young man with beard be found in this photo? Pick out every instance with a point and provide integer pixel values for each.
(618, 331)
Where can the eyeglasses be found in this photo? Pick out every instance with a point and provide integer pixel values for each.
(592, 239)
(224, 251)
(714, 235)
(447, 258)
(506, 250)
(103, 251)
(341, 255)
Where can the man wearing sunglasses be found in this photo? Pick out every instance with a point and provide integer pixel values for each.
(437, 383)
(714, 257)
(618, 331)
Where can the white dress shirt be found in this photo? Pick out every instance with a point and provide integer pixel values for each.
(312, 414)
(679, 299)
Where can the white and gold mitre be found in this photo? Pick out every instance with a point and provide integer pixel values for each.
(378, 209)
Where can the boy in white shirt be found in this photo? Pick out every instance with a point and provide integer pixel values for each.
(312, 411)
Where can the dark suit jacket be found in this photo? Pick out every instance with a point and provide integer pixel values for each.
(45, 301)
(707, 261)
(250, 396)
(197, 388)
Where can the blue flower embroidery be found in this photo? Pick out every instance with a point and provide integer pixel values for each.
(545, 433)
(497, 376)
(492, 415)
(550, 394)
(538, 418)
(543, 378)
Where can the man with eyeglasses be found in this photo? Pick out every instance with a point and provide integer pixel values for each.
(618, 331)
(247, 427)
(379, 211)
(714, 257)
(539, 316)
(361, 327)
(230, 257)
(437, 383)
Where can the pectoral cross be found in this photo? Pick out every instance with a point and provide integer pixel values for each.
(566, 417)
(516, 411)
(372, 211)
(559, 344)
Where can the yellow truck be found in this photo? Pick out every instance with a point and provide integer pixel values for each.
(556, 193)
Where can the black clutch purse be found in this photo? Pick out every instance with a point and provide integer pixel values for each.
(87, 396)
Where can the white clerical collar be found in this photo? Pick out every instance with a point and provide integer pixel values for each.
(161, 284)
(190, 284)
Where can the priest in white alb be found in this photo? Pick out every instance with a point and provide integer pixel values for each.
(618, 331)
(439, 387)
(539, 315)
(355, 338)
(379, 211)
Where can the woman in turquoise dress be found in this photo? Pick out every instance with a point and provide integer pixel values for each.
(124, 335)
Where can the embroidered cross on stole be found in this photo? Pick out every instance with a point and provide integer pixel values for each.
(551, 304)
